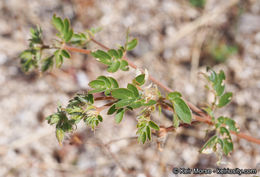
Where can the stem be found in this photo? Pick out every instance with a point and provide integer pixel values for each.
(201, 117)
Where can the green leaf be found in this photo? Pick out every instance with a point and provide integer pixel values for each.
(133, 89)
(120, 53)
(209, 144)
(112, 110)
(140, 79)
(143, 137)
(176, 121)
(148, 132)
(229, 122)
(227, 146)
(124, 102)
(173, 95)
(182, 110)
(65, 53)
(57, 22)
(124, 65)
(136, 105)
(154, 125)
(106, 80)
(132, 44)
(225, 99)
(123, 93)
(113, 52)
(114, 67)
(119, 115)
(198, 3)
(113, 82)
(59, 135)
(66, 27)
(150, 103)
(68, 35)
(101, 54)
(97, 84)
(100, 118)
(47, 63)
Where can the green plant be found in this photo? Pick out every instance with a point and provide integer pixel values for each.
(135, 97)
(198, 3)
(220, 52)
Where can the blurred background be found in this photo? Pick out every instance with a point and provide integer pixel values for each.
(177, 40)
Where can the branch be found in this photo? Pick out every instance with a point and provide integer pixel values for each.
(199, 116)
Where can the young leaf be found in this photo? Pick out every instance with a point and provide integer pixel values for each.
(113, 52)
(182, 110)
(133, 89)
(227, 146)
(112, 110)
(119, 115)
(124, 65)
(148, 132)
(97, 84)
(132, 44)
(113, 82)
(57, 22)
(225, 99)
(68, 35)
(143, 137)
(123, 93)
(65, 53)
(209, 144)
(176, 121)
(140, 79)
(59, 135)
(154, 125)
(124, 102)
(114, 67)
(173, 95)
(106, 80)
(47, 63)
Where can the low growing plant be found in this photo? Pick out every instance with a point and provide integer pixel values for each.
(135, 97)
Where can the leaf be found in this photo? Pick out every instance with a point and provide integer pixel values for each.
(229, 122)
(176, 121)
(65, 53)
(47, 63)
(136, 105)
(59, 135)
(182, 110)
(148, 132)
(97, 84)
(143, 137)
(106, 80)
(173, 95)
(209, 144)
(225, 99)
(101, 54)
(66, 26)
(114, 67)
(113, 52)
(124, 65)
(140, 79)
(57, 22)
(120, 53)
(113, 82)
(100, 118)
(124, 102)
(112, 110)
(68, 35)
(119, 115)
(227, 146)
(132, 44)
(133, 89)
(123, 93)
(154, 125)
(150, 103)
